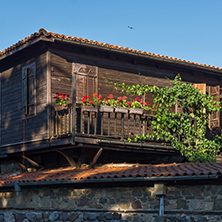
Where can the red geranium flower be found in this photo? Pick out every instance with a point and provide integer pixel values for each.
(91, 102)
(83, 100)
(137, 98)
(95, 95)
(124, 97)
(63, 97)
(56, 96)
(99, 96)
(111, 96)
(153, 108)
(120, 99)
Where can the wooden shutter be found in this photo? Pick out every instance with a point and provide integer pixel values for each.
(214, 119)
(86, 81)
(24, 91)
(203, 89)
(201, 86)
(214, 91)
(31, 89)
(28, 89)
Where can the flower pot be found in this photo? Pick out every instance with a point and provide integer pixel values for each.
(60, 107)
(121, 110)
(89, 109)
(136, 111)
(106, 109)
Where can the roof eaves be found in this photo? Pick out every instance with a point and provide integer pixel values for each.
(112, 180)
(146, 55)
(91, 43)
(17, 48)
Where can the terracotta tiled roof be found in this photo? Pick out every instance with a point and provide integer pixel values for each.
(43, 32)
(118, 171)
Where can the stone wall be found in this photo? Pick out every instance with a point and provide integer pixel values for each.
(182, 203)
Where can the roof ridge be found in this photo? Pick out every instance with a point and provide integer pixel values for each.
(43, 32)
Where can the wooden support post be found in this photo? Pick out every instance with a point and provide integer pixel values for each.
(32, 162)
(22, 167)
(70, 160)
(49, 95)
(96, 157)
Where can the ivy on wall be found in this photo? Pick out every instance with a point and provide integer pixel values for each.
(190, 124)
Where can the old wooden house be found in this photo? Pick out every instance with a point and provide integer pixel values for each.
(36, 68)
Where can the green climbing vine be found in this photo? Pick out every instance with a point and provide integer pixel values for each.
(166, 122)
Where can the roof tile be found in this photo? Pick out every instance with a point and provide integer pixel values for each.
(116, 171)
(106, 45)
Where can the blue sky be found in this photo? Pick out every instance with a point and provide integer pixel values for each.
(185, 29)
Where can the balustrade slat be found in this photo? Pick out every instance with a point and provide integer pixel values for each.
(102, 124)
(108, 124)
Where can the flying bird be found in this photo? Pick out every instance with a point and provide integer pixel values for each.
(130, 27)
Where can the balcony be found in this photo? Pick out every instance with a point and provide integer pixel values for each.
(107, 126)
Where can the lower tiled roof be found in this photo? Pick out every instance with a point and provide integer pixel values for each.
(117, 171)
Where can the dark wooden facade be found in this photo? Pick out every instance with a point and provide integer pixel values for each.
(76, 69)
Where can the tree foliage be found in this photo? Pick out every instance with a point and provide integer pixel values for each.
(166, 123)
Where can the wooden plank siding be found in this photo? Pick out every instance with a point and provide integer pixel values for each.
(11, 110)
(120, 69)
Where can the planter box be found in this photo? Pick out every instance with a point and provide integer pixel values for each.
(89, 109)
(149, 113)
(106, 109)
(121, 110)
(136, 111)
(60, 107)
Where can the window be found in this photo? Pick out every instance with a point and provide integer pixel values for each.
(86, 81)
(28, 89)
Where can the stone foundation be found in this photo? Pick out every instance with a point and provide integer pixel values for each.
(126, 204)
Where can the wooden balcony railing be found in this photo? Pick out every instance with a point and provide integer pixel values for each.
(103, 123)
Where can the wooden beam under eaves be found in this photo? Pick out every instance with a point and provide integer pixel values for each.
(96, 157)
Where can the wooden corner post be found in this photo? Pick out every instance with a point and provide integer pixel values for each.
(73, 103)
